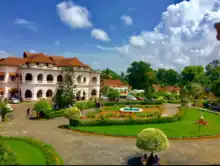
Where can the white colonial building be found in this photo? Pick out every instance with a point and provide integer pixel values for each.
(36, 76)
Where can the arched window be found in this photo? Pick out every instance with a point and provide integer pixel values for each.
(49, 93)
(94, 80)
(81, 79)
(59, 78)
(40, 77)
(39, 94)
(94, 92)
(28, 94)
(28, 77)
(49, 78)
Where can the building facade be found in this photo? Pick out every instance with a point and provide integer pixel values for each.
(37, 76)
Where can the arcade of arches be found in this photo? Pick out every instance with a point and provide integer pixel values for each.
(29, 94)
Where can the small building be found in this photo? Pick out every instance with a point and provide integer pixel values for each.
(168, 89)
(123, 88)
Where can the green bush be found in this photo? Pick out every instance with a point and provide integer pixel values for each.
(174, 101)
(147, 102)
(42, 106)
(54, 114)
(91, 115)
(153, 140)
(85, 105)
(72, 113)
(52, 158)
(148, 114)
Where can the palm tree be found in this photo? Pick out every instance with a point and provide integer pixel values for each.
(4, 109)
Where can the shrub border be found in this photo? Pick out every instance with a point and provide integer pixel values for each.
(202, 137)
(51, 156)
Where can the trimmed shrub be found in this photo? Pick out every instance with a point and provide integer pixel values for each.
(146, 102)
(152, 139)
(174, 101)
(42, 106)
(85, 105)
(72, 113)
(54, 114)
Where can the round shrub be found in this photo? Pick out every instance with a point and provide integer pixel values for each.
(42, 106)
(72, 113)
(153, 140)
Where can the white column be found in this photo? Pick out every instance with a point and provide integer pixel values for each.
(34, 94)
(6, 77)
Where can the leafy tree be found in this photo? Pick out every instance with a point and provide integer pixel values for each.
(65, 93)
(4, 109)
(113, 94)
(192, 74)
(105, 90)
(152, 140)
(216, 87)
(109, 74)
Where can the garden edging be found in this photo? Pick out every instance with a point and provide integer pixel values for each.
(51, 156)
(133, 137)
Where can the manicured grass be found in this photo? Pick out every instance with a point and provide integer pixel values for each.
(184, 128)
(26, 153)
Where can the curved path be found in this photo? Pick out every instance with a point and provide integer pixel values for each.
(78, 148)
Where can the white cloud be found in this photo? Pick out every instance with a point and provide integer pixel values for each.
(127, 19)
(74, 15)
(99, 34)
(33, 51)
(57, 42)
(184, 36)
(27, 24)
(3, 54)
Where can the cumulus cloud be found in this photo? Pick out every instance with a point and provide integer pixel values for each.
(3, 54)
(184, 36)
(74, 15)
(100, 34)
(27, 24)
(127, 19)
(33, 51)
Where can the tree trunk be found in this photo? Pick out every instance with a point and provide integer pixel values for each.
(3, 117)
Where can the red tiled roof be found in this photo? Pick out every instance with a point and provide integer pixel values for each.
(114, 83)
(166, 88)
(42, 58)
(12, 61)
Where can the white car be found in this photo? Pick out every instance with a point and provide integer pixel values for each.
(15, 100)
(131, 98)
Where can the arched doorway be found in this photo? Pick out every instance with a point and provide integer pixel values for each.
(39, 94)
(28, 94)
(40, 77)
(49, 93)
(84, 95)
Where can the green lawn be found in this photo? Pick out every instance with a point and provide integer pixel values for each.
(183, 128)
(26, 153)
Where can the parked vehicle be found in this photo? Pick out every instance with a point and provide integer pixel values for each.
(15, 100)
(140, 98)
(131, 98)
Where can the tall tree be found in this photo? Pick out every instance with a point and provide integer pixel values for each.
(66, 91)
(141, 76)
(192, 73)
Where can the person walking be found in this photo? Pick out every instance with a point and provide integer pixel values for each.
(28, 112)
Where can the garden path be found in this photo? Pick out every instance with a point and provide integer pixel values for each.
(78, 148)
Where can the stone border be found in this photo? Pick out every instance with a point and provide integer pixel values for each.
(49, 152)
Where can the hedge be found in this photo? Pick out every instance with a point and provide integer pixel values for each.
(146, 102)
(174, 101)
(51, 156)
(129, 121)
(54, 114)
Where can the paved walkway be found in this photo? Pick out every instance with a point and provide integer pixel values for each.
(77, 148)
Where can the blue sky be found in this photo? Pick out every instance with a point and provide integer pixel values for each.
(98, 32)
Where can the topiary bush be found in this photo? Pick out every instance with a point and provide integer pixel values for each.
(152, 139)
(73, 113)
(54, 114)
(42, 106)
